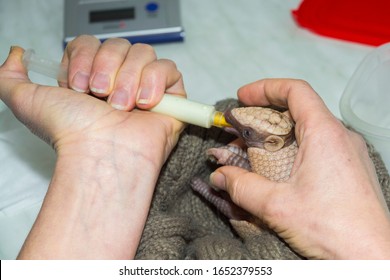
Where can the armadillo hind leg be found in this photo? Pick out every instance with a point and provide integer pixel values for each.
(230, 155)
(220, 200)
(275, 166)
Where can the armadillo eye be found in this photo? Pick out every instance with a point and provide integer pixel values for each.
(246, 133)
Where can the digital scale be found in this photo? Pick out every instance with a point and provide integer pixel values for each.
(139, 21)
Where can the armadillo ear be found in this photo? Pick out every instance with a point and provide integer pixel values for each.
(273, 143)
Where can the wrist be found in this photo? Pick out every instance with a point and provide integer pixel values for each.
(367, 243)
(374, 246)
(96, 205)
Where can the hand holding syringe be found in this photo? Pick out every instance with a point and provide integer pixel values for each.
(177, 107)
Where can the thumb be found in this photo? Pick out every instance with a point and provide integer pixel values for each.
(32, 104)
(248, 190)
(13, 62)
(12, 74)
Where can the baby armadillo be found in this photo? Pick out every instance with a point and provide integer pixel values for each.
(271, 150)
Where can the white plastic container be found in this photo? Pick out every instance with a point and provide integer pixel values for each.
(365, 104)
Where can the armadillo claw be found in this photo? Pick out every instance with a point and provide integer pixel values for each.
(230, 155)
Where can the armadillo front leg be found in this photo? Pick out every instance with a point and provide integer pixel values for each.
(230, 155)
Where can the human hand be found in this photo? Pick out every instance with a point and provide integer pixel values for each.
(332, 205)
(53, 113)
(127, 75)
(108, 160)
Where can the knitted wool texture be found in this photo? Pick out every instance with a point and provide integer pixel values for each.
(182, 225)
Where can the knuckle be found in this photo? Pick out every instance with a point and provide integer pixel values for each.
(303, 83)
(179, 75)
(340, 134)
(82, 40)
(86, 37)
(358, 140)
(116, 42)
(171, 64)
(299, 86)
(274, 209)
(145, 48)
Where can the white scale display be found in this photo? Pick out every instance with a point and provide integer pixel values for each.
(136, 20)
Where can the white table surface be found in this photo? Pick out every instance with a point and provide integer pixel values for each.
(228, 44)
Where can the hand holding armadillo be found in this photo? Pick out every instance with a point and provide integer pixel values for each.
(328, 203)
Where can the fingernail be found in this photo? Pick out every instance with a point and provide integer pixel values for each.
(100, 83)
(80, 81)
(119, 99)
(218, 180)
(144, 96)
(18, 51)
(12, 48)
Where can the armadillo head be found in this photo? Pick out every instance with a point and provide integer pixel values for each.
(260, 127)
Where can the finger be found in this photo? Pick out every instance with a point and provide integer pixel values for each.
(129, 75)
(305, 105)
(106, 65)
(248, 190)
(297, 95)
(158, 78)
(78, 58)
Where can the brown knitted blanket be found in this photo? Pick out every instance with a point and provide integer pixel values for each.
(182, 225)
